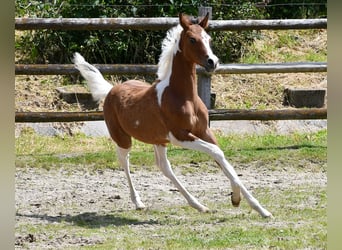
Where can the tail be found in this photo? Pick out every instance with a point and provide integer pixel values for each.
(98, 86)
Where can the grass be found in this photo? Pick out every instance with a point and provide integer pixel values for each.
(265, 91)
(300, 220)
(33, 150)
(287, 46)
(297, 225)
(300, 211)
(221, 232)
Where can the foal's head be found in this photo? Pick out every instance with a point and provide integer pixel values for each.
(195, 43)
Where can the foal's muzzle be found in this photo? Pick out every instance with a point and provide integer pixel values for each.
(211, 63)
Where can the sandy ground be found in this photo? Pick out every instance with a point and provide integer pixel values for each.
(53, 196)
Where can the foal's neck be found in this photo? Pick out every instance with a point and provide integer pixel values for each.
(183, 80)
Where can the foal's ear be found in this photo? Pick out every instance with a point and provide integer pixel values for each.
(184, 21)
(204, 23)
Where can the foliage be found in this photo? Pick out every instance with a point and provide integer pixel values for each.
(297, 9)
(119, 46)
(105, 46)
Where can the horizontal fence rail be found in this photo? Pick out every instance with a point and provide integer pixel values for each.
(265, 115)
(162, 24)
(221, 114)
(304, 67)
(122, 69)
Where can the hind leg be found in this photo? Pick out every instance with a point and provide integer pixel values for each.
(124, 143)
(123, 156)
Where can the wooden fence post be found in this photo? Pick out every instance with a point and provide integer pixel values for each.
(204, 80)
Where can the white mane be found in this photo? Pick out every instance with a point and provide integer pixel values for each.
(170, 46)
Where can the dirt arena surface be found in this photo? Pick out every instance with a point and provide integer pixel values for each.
(66, 195)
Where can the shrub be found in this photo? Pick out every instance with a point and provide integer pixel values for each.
(280, 9)
(122, 46)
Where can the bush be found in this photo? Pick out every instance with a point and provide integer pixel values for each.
(122, 46)
(282, 9)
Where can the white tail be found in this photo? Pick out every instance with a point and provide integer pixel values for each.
(98, 86)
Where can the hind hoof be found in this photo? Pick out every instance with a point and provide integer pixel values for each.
(204, 210)
(235, 200)
(266, 214)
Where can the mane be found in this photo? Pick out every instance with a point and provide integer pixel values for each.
(170, 46)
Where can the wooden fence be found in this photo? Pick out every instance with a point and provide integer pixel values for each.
(162, 24)
(203, 80)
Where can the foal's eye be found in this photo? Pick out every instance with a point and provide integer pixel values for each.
(192, 40)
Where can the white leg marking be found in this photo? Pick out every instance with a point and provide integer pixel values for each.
(215, 152)
(123, 156)
(164, 165)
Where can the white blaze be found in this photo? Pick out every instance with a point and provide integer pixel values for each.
(206, 41)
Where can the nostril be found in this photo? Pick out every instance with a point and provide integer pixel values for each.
(210, 62)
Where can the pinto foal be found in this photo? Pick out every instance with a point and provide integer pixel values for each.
(168, 111)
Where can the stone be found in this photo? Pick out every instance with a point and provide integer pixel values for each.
(304, 98)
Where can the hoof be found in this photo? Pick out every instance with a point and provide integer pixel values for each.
(140, 206)
(235, 200)
(267, 215)
(203, 209)
(206, 210)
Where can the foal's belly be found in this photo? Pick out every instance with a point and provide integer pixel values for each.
(138, 112)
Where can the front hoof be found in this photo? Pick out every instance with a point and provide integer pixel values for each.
(267, 215)
(140, 206)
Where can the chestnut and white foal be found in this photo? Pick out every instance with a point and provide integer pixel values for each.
(168, 111)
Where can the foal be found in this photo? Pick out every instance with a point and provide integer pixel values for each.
(168, 111)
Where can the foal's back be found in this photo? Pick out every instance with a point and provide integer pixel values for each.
(131, 110)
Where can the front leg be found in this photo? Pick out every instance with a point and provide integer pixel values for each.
(215, 152)
(208, 136)
(164, 165)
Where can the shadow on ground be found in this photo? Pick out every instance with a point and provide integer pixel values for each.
(91, 219)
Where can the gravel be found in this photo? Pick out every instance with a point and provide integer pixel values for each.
(56, 196)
